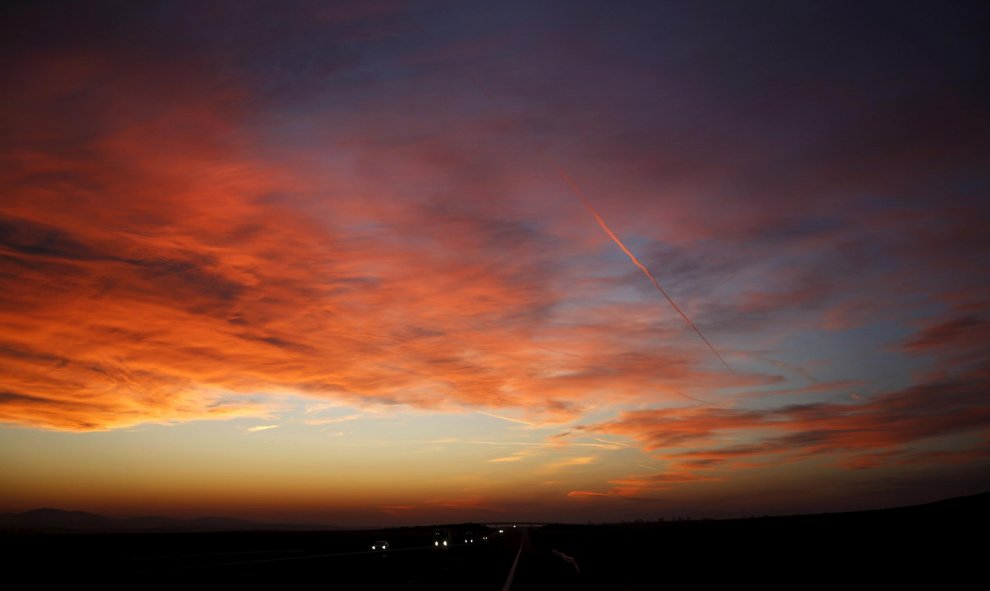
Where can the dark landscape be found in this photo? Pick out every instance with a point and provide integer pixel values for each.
(933, 541)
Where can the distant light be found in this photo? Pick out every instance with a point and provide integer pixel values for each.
(445, 542)
(436, 543)
(372, 547)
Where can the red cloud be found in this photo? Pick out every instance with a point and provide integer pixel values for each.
(165, 273)
(583, 494)
(180, 243)
(951, 334)
(882, 430)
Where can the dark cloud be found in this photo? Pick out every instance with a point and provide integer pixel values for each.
(969, 329)
(886, 428)
(32, 239)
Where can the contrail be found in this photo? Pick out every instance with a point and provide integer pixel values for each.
(576, 190)
(573, 186)
(683, 395)
(510, 419)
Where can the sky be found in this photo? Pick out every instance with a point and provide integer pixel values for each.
(366, 263)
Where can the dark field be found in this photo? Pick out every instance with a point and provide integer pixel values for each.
(940, 545)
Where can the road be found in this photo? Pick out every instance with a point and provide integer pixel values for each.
(338, 560)
(936, 545)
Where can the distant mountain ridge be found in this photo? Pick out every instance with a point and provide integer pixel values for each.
(48, 519)
(58, 520)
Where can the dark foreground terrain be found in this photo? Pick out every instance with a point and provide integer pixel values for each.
(941, 545)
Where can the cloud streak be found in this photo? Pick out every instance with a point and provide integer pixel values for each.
(601, 222)
(886, 430)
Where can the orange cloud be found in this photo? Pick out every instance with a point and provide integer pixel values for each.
(162, 264)
(512, 458)
(876, 432)
(574, 461)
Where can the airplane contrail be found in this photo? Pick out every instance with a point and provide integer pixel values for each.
(573, 186)
(576, 190)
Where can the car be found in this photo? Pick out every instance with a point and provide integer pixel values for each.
(441, 539)
(380, 546)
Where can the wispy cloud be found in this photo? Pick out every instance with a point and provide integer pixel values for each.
(332, 420)
(885, 428)
(583, 494)
(512, 458)
(569, 462)
(505, 418)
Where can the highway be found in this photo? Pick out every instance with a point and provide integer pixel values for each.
(509, 562)
(886, 548)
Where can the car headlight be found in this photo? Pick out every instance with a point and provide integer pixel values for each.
(445, 542)
(435, 543)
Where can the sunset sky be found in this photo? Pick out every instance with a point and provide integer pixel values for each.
(350, 262)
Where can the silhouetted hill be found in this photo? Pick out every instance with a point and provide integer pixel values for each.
(972, 504)
(968, 507)
(57, 520)
(886, 547)
(932, 545)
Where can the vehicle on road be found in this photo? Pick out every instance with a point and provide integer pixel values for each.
(380, 546)
(441, 539)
